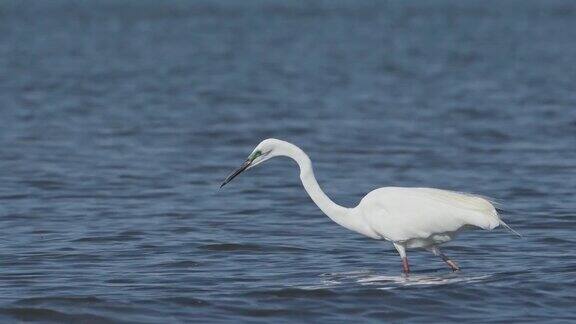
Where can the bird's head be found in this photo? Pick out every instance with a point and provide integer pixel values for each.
(266, 150)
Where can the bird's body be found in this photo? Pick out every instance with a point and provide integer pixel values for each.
(407, 217)
(420, 217)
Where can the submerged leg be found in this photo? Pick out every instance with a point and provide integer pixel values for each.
(402, 251)
(453, 265)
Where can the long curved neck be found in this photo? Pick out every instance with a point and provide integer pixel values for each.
(337, 213)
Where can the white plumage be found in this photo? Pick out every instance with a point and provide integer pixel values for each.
(415, 215)
(407, 217)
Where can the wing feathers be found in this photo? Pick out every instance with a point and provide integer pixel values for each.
(405, 213)
(510, 229)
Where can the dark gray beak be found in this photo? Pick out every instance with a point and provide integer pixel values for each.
(233, 175)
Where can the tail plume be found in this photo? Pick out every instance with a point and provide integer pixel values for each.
(510, 229)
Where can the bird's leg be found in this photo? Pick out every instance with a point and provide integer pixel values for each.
(453, 265)
(405, 265)
(402, 251)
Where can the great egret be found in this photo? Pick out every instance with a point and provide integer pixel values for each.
(407, 217)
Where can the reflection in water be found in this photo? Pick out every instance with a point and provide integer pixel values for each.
(385, 282)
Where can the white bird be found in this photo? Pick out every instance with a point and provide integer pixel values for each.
(407, 217)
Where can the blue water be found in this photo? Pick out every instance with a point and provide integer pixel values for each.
(119, 120)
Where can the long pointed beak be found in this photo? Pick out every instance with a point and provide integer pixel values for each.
(233, 175)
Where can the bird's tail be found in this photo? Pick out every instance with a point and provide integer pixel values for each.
(510, 229)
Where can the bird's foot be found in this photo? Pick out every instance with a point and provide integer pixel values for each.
(453, 265)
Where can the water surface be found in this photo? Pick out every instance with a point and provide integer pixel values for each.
(119, 120)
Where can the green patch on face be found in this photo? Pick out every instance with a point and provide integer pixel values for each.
(255, 155)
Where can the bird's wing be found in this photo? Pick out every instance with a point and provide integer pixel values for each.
(405, 213)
